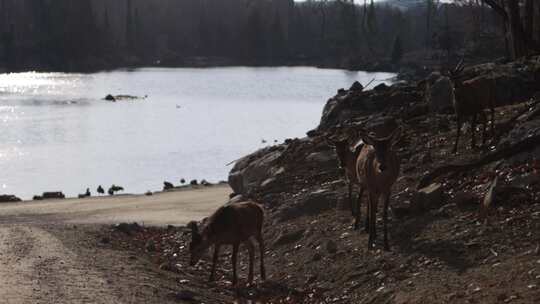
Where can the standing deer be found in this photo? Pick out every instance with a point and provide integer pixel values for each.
(377, 168)
(231, 224)
(347, 157)
(471, 98)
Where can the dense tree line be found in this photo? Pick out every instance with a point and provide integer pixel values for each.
(96, 34)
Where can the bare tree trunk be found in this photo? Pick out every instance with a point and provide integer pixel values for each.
(528, 20)
(515, 33)
(536, 23)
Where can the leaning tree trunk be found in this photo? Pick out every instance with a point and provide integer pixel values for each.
(536, 23)
(517, 40)
(514, 32)
(528, 22)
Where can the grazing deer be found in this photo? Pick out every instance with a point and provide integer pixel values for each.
(377, 168)
(347, 157)
(231, 224)
(472, 97)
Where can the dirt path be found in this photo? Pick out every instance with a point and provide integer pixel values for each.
(49, 253)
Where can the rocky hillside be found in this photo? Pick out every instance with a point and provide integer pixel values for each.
(463, 229)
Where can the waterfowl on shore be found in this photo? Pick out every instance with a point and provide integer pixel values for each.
(100, 190)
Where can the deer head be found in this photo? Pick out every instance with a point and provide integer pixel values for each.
(198, 244)
(341, 146)
(382, 146)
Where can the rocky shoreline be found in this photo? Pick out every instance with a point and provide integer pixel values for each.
(445, 247)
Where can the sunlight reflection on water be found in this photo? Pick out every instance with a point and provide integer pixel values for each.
(58, 133)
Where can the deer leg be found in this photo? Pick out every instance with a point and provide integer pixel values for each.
(473, 129)
(492, 110)
(458, 125)
(358, 209)
(372, 219)
(484, 129)
(349, 186)
(261, 248)
(251, 251)
(234, 258)
(385, 220)
(214, 262)
(368, 214)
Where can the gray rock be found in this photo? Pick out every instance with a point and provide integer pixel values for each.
(525, 180)
(9, 198)
(128, 228)
(184, 295)
(53, 195)
(427, 198)
(331, 247)
(289, 237)
(465, 199)
(251, 171)
(314, 203)
(324, 159)
(150, 246)
(357, 87)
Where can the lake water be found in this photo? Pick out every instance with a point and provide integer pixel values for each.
(58, 134)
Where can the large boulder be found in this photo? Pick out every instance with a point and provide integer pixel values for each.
(9, 198)
(427, 198)
(251, 171)
(311, 204)
(351, 104)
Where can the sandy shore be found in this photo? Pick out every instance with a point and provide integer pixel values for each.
(49, 255)
(164, 208)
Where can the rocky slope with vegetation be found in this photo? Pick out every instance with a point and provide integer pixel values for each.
(464, 228)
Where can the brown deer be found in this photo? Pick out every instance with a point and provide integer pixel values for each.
(377, 168)
(231, 224)
(472, 97)
(347, 157)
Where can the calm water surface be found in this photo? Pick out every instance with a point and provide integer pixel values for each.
(58, 134)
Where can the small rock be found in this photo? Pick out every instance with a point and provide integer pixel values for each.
(53, 195)
(149, 193)
(287, 238)
(167, 186)
(184, 295)
(465, 199)
(150, 246)
(381, 87)
(426, 158)
(427, 198)
(128, 228)
(331, 246)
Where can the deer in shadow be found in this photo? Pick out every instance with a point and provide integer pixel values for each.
(471, 98)
(232, 224)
